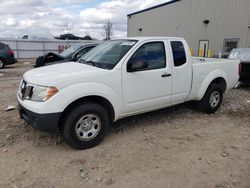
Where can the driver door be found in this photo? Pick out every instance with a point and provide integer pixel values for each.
(149, 88)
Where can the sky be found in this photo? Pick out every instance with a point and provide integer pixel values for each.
(55, 17)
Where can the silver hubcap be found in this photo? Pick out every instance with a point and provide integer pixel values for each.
(88, 127)
(1, 63)
(214, 99)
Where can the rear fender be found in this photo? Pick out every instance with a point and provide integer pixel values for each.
(208, 80)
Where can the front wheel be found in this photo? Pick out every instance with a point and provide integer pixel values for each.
(2, 64)
(85, 126)
(212, 99)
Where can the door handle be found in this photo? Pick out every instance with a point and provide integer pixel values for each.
(165, 75)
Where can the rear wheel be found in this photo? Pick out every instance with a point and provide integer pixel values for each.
(2, 63)
(212, 99)
(85, 126)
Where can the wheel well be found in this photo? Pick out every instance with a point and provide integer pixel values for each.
(221, 82)
(97, 99)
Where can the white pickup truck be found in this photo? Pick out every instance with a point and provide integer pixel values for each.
(120, 78)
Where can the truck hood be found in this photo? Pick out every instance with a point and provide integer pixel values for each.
(59, 72)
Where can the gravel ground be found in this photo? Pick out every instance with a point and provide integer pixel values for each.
(171, 148)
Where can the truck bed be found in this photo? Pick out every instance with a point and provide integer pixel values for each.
(207, 60)
(203, 67)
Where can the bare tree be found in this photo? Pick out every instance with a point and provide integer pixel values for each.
(108, 29)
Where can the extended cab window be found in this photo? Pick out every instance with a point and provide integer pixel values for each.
(179, 54)
(152, 53)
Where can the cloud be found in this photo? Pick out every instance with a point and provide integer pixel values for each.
(19, 7)
(116, 11)
(19, 17)
(9, 22)
(67, 2)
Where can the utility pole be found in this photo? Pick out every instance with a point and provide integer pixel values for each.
(108, 28)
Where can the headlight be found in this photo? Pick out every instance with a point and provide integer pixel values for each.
(42, 93)
(34, 92)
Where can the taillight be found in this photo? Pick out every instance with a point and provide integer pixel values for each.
(10, 51)
(240, 69)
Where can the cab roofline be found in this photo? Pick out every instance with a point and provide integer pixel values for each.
(149, 38)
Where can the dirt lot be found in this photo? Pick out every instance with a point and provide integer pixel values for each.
(175, 147)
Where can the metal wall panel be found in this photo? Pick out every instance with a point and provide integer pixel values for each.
(227, 19)
(30, 49)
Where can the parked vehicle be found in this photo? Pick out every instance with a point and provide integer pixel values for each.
(242, 54)
(7, 56)
(73, 53)
(70, 36)
(117, 79)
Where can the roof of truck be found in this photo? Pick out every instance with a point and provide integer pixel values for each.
(150, 38)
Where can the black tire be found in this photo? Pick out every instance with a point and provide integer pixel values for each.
(2, 63)
(209, 105)
(72, 119)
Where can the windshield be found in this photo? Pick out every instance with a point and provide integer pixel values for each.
(108, 54)
(69, 51)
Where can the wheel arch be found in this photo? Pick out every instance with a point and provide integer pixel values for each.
(215, 77)
(3, 61)
(92, 98)
(2, 58)
(221, 82)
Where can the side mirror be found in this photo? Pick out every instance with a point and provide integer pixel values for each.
(136, 66)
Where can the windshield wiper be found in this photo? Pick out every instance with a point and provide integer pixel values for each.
(92, 63)
(100, 65)
(87, 62)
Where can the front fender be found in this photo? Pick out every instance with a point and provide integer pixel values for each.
(208, 80)
(68, 95)
(93, 89)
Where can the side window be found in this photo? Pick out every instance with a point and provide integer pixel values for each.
(84, 51)
(152, 53)
(179, 54)
(230, 44)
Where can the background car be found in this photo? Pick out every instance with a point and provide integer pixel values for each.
(7, 56)
(242, 54)
(73, 53)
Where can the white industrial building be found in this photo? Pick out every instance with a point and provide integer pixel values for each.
(211, 27)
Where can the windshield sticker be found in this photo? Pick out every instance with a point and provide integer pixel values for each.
(128, 43)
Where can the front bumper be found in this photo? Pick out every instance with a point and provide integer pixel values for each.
(44, 122)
